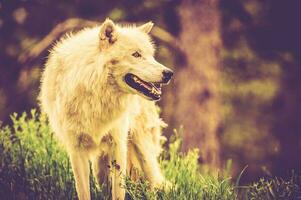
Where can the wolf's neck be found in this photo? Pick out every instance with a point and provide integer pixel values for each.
(112, 99)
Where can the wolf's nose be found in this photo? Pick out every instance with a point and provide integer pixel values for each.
(167, 74)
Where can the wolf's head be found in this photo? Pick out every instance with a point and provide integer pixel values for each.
(129, 52)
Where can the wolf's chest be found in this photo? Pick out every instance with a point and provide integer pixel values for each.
(103, 113)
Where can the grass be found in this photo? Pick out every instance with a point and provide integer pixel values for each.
(34, 166)
(275, 188)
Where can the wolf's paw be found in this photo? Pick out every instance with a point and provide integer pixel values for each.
(163, 185)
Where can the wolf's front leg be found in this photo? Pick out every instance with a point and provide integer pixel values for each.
(146, 151)
(119, 162)
(81, 171)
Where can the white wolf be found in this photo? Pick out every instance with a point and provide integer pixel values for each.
(98, 90)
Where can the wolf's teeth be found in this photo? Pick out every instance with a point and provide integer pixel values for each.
(153, 90)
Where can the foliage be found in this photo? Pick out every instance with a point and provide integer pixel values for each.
(34, 166)
(260, 109)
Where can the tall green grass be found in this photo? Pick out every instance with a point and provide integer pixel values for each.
(34, 166)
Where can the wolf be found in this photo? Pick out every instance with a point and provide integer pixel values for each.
(98, 89)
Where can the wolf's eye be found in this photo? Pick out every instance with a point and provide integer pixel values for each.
(136, 54)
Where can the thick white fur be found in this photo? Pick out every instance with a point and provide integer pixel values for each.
(95, 114)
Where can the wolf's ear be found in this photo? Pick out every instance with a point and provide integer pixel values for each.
(107, 33)
(147, 27)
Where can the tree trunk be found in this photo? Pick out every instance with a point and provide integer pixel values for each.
(196, 81)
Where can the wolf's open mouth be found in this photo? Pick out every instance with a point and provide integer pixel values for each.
(151, 90)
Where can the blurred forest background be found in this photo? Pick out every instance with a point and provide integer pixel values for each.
(237, 70)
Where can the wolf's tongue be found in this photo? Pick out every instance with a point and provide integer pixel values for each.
(142, 83)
